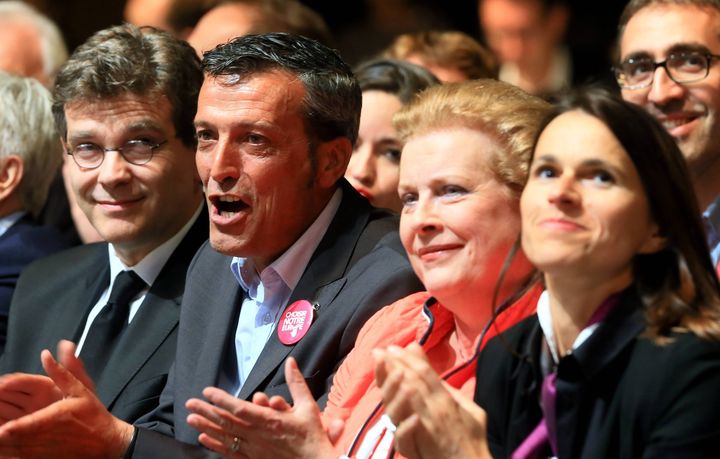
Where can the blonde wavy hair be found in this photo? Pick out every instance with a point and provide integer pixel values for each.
(508, 114)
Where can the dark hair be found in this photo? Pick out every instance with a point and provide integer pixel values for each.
(678, 283)
(332, 102)
(126, 59)
(401, 79)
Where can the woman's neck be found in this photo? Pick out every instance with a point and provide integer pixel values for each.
(573, 302)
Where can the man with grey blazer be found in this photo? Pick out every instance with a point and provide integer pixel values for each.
(297, 260)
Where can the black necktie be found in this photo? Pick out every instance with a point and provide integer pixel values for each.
(109, 323)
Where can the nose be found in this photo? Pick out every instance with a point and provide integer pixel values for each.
(224, 163)
(663, 89)
(426, 217)
(114, 169)
(362, 166)
(564, 191)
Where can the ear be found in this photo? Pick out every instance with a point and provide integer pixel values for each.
(331, 160)
(11, 173)
(654, 242)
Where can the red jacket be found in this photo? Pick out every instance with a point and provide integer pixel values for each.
(355, 398)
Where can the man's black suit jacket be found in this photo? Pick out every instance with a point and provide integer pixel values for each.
(54, 297)
(359, 267)
(22, 243)
(619, 395)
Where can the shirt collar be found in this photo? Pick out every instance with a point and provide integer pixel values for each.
(9, 220)
(545, 318)
(291, 264)
(150, 266)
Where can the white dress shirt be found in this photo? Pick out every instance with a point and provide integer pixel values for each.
(148, 269)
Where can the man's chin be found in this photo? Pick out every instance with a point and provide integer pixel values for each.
(226, 244)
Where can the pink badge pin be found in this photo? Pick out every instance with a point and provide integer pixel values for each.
(295, 322)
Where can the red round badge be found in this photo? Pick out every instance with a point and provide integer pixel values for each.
(295, 322)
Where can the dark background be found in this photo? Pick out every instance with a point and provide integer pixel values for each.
(362, 27)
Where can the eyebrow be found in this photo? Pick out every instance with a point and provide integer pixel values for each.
(145, 124)
(238, 125)
(132, 128)
(545, 158)
(692, 47)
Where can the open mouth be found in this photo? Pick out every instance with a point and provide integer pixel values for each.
(227, 206)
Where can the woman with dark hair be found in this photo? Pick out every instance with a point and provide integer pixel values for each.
(387, 86)
(622, 359)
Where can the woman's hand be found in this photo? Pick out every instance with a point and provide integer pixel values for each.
(433, 419)
(265, 428)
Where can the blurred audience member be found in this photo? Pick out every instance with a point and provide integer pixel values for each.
(30, 44)
(176, 16)
(124, 104)
(374, 165)
(669, 65)
(526, 36)
(451, 56)
(234, 18)
(154, 13)
(30, 156)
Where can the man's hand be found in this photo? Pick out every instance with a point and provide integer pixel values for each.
(22, 394)
(265, 428)
(433, 420)
(76, 426)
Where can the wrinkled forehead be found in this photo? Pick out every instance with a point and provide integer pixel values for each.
(658, 30)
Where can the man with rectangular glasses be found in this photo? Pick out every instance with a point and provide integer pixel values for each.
(669, 52)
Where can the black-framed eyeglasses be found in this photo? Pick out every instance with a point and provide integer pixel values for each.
(91, 156)
(685, 67)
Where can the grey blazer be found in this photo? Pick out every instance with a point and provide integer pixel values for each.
(53, 299)
(359, 267)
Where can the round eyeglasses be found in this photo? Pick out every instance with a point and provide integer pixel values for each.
(91, 156)
(687, 67)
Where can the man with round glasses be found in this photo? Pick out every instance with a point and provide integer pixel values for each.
(124, 105)
(669, 52)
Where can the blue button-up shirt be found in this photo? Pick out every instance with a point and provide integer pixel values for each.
(268, 292)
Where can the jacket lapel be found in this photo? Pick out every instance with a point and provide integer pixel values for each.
(96, 281)
(155, 320)
(320, 283)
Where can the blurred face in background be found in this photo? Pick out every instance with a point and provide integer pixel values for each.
(20, 52)
(221, 24)
(520, 32)
(374, 164)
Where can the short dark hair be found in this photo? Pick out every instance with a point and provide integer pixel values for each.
(401, 79)
(678, 283)
(331, 107)
(126, 59)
